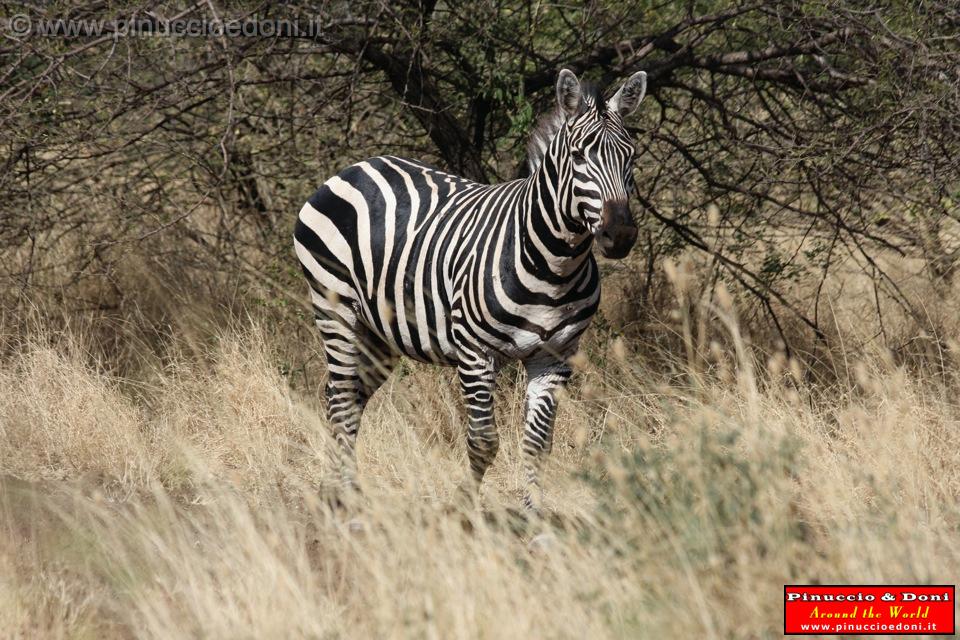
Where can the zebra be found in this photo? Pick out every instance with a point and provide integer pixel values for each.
(402, 258)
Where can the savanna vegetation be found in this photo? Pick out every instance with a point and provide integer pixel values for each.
(768, 395)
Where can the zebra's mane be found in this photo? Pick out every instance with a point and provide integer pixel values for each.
(550, 123)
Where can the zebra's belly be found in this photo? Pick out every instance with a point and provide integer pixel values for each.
(413, 329)
(446, 333)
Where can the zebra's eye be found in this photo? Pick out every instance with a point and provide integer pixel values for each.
(577, 155)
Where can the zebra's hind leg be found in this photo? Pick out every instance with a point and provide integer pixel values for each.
(357, 364)
(477, 383)
(544, 379)
(344, 405)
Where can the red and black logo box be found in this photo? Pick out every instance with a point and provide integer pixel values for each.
(869, 609)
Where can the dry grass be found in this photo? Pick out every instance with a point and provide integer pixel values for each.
(187, 502)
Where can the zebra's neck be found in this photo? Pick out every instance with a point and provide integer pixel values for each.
(548, 228)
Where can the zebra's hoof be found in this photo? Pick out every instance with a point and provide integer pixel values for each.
(356, 526)
(542, 543)
(467, 496)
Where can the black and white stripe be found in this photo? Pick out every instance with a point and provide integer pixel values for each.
(404, 259)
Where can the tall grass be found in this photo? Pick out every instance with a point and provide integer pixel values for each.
(190, 501)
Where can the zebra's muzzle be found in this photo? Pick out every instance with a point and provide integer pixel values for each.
(617, 232)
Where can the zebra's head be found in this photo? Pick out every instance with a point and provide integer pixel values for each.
(595, 155)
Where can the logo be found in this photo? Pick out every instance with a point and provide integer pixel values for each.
(869, 609)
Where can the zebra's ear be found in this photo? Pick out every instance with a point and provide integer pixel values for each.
(628, 98)
(568, 92)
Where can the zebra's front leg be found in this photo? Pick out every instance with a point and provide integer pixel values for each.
(477, 384)
(544, 379)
